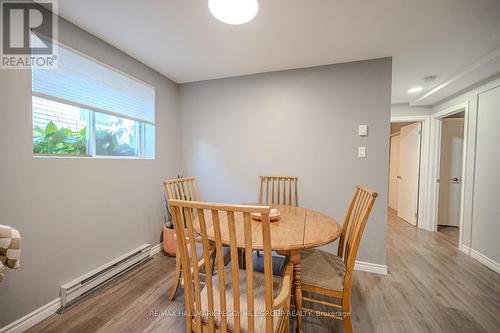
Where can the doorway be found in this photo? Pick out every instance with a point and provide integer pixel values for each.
(404, 170)
(450, 177)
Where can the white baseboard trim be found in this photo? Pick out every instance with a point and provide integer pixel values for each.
(485, 260)
(370, 267)
(155, 249)
(33, 318)
(465, 249)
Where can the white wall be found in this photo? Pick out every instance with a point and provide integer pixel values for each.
(77, 214)
(407, 110)
(298, 122)
(481, 214)
(486, 211)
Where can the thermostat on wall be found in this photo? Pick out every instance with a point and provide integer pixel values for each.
(363, 130)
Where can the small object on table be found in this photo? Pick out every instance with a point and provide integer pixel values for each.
(274, 215)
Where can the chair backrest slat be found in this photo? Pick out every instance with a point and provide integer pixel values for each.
(356, 219)
(235, 273)
(286, 185)
(185, 187)
(249, 271)
(342, 239)
(272, 190)
(220, 267)
(208, 268)
(195, 269)
(185, 262)
(280, 190)
(182, 191)
(268, 270)
(233, 224)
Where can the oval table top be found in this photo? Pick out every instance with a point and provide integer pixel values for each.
(298, 228)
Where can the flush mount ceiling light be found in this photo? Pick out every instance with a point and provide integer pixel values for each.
(415, 90)
(234, 11)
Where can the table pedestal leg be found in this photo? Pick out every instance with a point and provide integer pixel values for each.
(297, 288)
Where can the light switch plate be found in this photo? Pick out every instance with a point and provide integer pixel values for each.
(361, 151)
(363, 130)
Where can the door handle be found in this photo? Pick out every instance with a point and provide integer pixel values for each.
(455, 180)
(398, 177)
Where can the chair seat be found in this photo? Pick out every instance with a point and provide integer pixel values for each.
(322, 269)
(259, 300)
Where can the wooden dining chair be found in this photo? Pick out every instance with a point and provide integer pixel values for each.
(182, 189)
(323, 273)
(279, 190)
(233, 299)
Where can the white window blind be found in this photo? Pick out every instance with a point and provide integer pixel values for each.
(85, 83)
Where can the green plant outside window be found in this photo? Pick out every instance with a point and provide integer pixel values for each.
(59, 141)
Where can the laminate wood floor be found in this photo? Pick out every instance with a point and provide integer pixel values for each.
(431, 287)
(450, 234)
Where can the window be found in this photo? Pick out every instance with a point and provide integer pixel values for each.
(115, 136)
(84, 108)
(59, 129)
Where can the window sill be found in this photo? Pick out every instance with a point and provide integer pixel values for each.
(88, 157)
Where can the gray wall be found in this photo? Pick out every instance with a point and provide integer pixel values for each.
(299, 122)
(481, 213)
(77, 214)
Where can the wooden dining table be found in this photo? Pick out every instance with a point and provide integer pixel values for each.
(297, 229)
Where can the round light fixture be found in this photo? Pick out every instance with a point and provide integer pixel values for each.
(234, 11)
(415, 90)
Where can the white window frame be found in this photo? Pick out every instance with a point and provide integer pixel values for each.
(91, 133)
(91, 139)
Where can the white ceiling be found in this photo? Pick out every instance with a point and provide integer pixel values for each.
(180, 38)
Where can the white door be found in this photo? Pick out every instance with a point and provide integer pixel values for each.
(394, 172)
(409, 166)
(450, 171)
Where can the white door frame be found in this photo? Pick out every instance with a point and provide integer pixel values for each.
(436, 126)
(423, 212)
